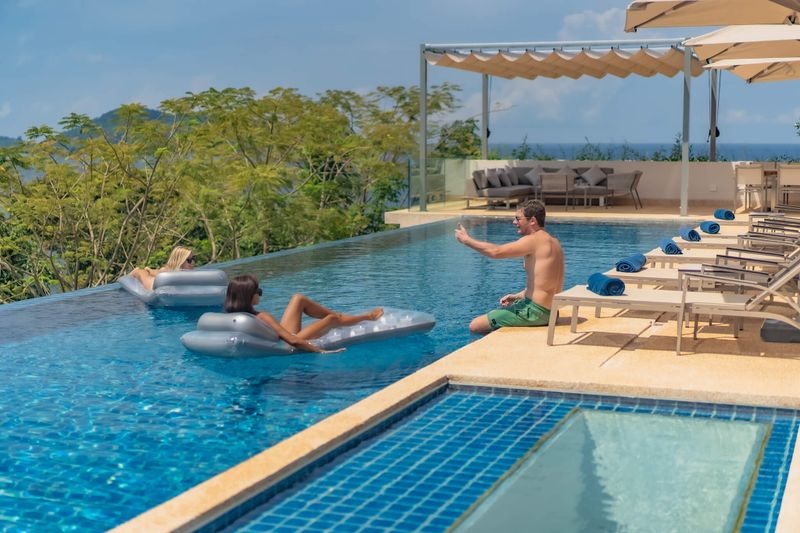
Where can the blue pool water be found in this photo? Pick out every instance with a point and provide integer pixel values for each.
(104, 414)
(580, 463)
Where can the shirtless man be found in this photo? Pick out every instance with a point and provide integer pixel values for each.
(543, 260)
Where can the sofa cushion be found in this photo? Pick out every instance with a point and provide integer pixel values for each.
(493, 178)
(505, 179)
(593, 176)
(479, 176)
(515, 191)
(512, 175)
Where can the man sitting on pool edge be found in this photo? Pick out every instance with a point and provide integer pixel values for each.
(543, 260)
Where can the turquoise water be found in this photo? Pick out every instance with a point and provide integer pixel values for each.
(628, 472)
(104, 413)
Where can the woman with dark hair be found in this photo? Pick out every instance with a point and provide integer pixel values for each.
(244, 294)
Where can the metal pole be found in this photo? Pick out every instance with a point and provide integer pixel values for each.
(552, 44)
(687, 82)
(423, 129)
(485, 118)
(712, 145)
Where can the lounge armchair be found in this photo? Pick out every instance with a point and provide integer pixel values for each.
(624, 184)
(682, 302)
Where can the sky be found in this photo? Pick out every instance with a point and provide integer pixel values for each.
(90, 56)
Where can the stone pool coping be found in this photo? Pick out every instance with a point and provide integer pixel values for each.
(631, 354)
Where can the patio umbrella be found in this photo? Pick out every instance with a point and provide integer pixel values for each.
(748, 41)
(672, 13)
(756, 70)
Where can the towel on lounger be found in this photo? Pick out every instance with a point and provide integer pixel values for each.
(606, 286)
(669, 247)
(724, 214)
(709, 226)
(689, 234)
(632, 263)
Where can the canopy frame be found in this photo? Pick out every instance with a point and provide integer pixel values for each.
(551, 46)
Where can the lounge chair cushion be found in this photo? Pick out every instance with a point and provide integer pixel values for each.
(480, 179)
(594, 176)
(512, 175)
(494, 179)
(515, 191)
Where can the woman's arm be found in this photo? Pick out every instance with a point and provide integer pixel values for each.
(287, 336)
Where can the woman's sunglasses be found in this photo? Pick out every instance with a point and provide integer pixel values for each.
(190, 260)
(260, 292)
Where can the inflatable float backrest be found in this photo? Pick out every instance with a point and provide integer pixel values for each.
(193, 288)
(238, 322)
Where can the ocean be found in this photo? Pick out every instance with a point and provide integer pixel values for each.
(644, 151)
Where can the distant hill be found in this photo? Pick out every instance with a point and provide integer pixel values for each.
(105, 121)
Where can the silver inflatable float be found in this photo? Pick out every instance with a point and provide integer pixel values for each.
(244, 335)
(192, 288)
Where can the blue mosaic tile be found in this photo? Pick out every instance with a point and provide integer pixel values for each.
(424, 467)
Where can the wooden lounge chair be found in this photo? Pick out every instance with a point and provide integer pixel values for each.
(714, 303)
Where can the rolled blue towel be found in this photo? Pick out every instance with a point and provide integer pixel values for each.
(632, 263)
(709, 226)
(689, 234)
(669, 247)
(606, 286)
(724, 214)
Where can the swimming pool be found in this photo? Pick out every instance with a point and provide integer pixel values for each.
(493, 459)
(106, 415)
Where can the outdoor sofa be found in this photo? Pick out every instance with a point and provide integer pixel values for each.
(516, 183)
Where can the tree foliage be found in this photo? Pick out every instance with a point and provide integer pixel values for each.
(227, 172)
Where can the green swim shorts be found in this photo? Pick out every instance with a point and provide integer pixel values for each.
(522, 313)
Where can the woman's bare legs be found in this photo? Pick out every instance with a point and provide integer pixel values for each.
(299, 305)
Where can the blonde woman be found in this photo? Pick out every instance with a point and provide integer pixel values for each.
(181, 258)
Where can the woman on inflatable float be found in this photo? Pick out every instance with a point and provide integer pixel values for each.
(244, 294)
(180, 258)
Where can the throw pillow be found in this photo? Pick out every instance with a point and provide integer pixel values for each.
(512, 175)
(480, 179)
(505, 180)
(533, 176)
(594, 176)
(567, 171)
(491, 175)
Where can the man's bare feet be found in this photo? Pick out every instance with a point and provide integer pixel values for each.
(376, 313)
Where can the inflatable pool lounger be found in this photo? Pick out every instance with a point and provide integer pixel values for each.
(244, 335)
(195, 288)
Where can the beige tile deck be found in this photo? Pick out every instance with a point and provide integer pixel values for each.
(627, 353)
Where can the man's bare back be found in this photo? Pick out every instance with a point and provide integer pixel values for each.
(543, 260)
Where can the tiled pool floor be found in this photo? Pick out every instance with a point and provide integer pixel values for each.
(422, 472)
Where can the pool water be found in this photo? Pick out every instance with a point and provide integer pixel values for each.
(105, 414)
(471, 459)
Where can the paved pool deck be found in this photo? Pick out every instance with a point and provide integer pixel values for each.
(620, 353)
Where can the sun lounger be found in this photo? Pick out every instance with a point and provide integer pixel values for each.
(682, 302)
(658, 258)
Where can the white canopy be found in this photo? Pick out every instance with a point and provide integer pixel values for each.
(761, 69)
(556, 63)
(675, 13)
(748, 41)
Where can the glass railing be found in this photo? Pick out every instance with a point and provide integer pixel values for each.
(444, 187)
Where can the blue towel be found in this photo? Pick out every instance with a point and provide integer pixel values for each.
(724, 214)
(632, 263)
(709, 226)
(606, 286)
(689, 234)
(669, 247)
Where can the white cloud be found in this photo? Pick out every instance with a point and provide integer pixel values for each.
(5, 109)
(745, 117)
(589, 25)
